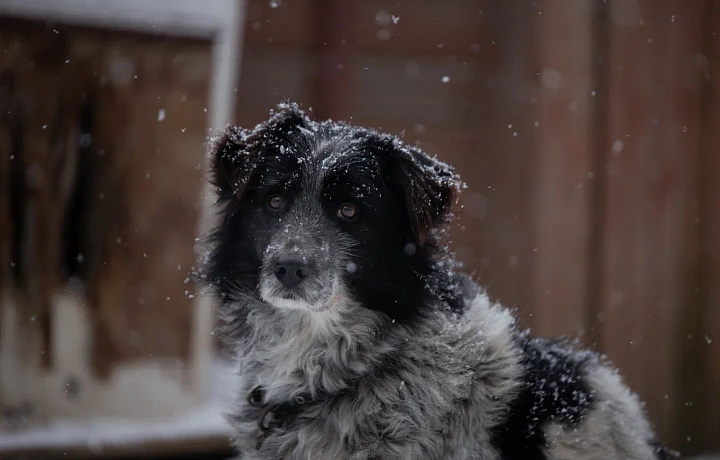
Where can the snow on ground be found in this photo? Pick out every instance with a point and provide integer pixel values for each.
(203, 422)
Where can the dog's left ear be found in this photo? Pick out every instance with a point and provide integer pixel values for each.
(430, 188)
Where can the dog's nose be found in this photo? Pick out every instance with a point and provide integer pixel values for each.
(291, 269)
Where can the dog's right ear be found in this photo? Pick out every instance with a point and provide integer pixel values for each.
(231, 162)
(236, 153)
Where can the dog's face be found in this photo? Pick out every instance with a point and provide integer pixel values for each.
(316, 214)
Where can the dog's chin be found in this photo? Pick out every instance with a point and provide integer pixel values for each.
(283, 303)
(332, 298)
(284, 299)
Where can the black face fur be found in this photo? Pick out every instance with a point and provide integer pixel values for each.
(383, 257)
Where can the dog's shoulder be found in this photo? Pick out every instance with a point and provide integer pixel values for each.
(548, 388)
(567, 396)
(536, 381)
(552, 389)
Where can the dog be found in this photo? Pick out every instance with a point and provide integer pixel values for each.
(357, 334)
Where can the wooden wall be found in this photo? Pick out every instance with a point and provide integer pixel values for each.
(101, 159)
(587, 132)
(704, 380)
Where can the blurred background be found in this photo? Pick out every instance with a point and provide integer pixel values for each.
(588, 132)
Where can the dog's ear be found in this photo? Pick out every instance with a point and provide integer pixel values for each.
(430, 188)
(231, 162)
(236, 152)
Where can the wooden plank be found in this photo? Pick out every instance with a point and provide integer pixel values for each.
(280, 24)
(501, 116)
(430, 91)
(7, 129)
(334, 50)
(269, 76)
(707, 396)
(651, 150)
(698, 379)
(147, 157)
(422, 27)
(43, 163)
(412, 28)
(564, 168)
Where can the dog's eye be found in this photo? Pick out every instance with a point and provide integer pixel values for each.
(276, 201)
(348, 211)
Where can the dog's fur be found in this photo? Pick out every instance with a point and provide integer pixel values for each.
(385, 350)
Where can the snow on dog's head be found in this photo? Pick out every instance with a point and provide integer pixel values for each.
(317, 214)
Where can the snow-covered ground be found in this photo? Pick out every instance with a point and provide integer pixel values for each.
(97, 433)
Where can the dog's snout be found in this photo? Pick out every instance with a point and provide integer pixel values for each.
(291, 269)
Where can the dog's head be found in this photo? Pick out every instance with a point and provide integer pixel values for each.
(316, 213)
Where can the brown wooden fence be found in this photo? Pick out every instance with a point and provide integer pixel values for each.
(588, 132)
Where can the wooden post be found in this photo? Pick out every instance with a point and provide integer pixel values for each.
(499, 165)
(564, 168)
(333, 93)
(651, 148)
(706, 396)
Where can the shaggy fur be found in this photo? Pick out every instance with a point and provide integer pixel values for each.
(383, 349)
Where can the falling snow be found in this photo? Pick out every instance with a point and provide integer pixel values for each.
(617, 147)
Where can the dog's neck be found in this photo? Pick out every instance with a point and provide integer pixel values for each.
(296, 352)
(293, 353)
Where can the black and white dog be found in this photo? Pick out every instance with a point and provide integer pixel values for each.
(358, 337)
